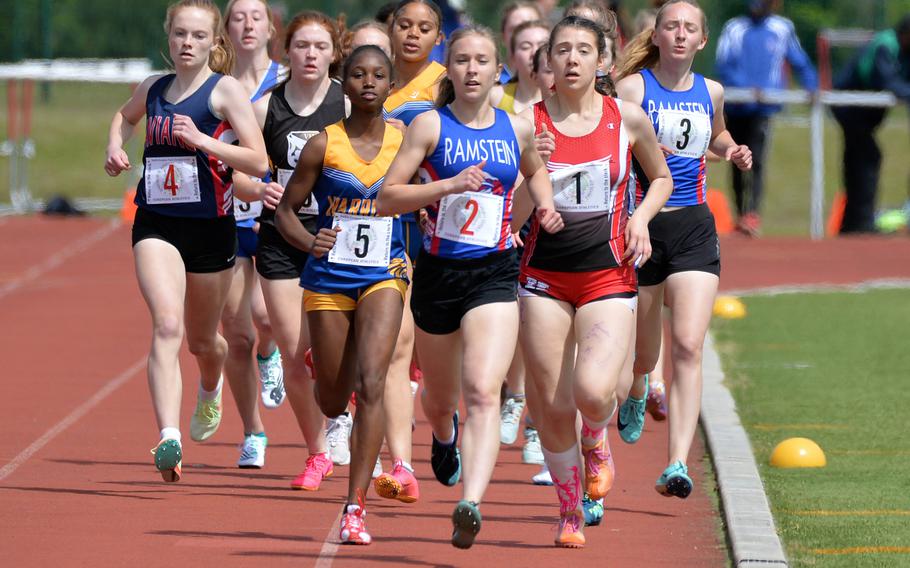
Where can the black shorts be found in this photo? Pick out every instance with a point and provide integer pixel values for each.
(205, 245)
(276, 259)
(445, 289)
(683, 240)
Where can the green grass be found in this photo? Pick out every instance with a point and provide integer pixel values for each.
(831, 367)
(70, 133)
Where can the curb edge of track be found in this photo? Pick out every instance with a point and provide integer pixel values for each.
(749, 524)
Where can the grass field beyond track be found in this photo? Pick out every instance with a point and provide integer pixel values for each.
(835, 368)
(70, 132)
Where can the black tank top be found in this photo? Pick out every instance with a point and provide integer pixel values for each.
(286, 132)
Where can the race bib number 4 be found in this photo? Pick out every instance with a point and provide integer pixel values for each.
(171, 180)
(309, 206)
(363, 241)
(686, 134)
(471, 217)
(583, 188)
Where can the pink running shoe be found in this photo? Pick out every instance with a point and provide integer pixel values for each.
(400, 484)
(353, 525)
(599, 468)
(657, 402)
(318, 467)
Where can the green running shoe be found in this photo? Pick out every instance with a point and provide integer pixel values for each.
(631, 419)
(168, 457)
(675, 481)
(466, 522)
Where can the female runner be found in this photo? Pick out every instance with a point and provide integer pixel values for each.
(578, 288)
(356, 276)
(184, 236)
(464, 299)
(686, 112)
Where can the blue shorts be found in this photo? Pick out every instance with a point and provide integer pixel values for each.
(247, 239)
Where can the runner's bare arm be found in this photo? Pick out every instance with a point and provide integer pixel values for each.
(536, 179)
(122, 127)
(722, 143)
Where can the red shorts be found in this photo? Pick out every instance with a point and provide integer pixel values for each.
(580, 288)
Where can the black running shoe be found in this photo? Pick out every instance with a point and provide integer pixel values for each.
(446, 460)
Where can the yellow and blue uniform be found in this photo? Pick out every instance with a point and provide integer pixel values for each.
(369, 253)
(415, 97)
(507, 103)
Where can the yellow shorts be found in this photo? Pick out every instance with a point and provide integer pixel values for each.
(316, 301)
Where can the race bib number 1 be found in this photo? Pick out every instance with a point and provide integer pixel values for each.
(309, 206)
(363, 241)
(171, 180)
(686, 134)
(582, 188)
(471, 217)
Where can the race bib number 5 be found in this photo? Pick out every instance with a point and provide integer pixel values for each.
(582, 188)
(686, 134)
(363, 241)
(471, 217)
(171, 180)
(309, 206)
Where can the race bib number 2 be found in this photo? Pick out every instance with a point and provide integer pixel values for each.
(471, 217)
(363, 241)
(686, 134)
(309, 206)
(172, 180)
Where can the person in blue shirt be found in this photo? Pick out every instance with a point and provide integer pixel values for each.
(883, 65)
(751, 53)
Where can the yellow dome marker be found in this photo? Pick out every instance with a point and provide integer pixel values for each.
(798, 452)
(729, 307)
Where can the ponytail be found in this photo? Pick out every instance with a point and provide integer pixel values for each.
(221, 60)
(640, 53)
(446, 92)
(604, 85)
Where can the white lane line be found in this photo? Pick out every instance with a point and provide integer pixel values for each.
(329, 545)
(862, 286)
(73, 417)
(59, 258)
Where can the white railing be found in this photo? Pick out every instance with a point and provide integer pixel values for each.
(816, 131)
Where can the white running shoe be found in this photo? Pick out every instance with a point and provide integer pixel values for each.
(338, 438)
(510, 417)
(377, 469)
(543, 477)
(271, 379)
(532, 452)
(252, 452)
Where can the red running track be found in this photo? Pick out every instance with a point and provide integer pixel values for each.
(77, 485)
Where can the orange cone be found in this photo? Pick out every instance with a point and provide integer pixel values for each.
(837, 213)
(128, 209)
(720, 208)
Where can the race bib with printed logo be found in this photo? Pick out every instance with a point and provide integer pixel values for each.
(471, 217)
(686, 134)
(244, 211)
(363, 241)
(309, 205)
(583, 188)
(171, 180)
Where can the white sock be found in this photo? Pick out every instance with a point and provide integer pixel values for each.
(407, 466)
(213, 394)
(170, 434)
(566, 471)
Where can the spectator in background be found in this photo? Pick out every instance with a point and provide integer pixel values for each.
(883, 65)
(751, 54)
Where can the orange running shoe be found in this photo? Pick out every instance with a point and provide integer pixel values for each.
(318, 467)
(570, 533)
(400, 484)
(599, 468)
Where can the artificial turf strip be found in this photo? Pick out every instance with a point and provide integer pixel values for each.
(835, 368)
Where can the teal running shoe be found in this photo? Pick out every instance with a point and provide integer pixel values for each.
(631, 419)
(593, 510)
(466, 524)
(675, 481)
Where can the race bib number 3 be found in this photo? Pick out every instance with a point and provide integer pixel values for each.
(171, 180)
(686, 134)
(471, 217)
(309, 206)
(582, 188)
(363, 241)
